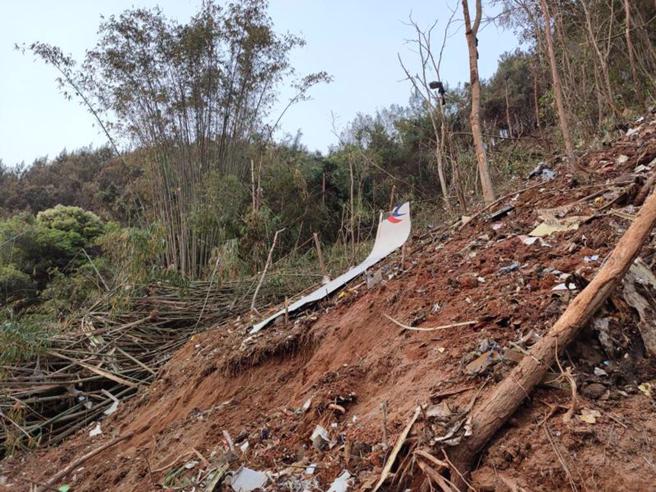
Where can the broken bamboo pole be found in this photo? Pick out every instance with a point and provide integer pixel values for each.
(75, 463)
(322, 265)
(499, 405)
(266, 267)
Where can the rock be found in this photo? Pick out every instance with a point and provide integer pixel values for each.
(467, 282)
(593, 390)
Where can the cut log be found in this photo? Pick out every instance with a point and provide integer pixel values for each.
(499, 405)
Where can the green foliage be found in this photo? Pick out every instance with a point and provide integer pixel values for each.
(34, 250)
(21, 340)
(81, 227)
(135, 254)
(14, 283)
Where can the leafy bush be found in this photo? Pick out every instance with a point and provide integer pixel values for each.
(14, 283)
(83, 227)
(34, 250)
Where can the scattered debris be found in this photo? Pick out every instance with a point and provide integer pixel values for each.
(306, 405)
(96, 431)
(542, 171)
(646, 389)
(320, 438)
(341, 483)
(589, 416)
(502, 212)
(247, 480)
(373, 278)
(509, 268)
(640, 292)
(554, 225)
(564, 287)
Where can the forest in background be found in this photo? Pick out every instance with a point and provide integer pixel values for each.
(192, 185)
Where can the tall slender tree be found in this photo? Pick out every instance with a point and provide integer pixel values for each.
(471, 32)
(557, 88)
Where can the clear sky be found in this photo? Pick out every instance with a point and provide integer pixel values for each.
(355, 41)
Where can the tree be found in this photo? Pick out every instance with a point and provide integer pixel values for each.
(193, 97)
(471, 31)
(557, 88)
(433, 98)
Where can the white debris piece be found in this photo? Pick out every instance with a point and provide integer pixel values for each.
(341, 483)
(320, 438)
(96, 431)
(247, 479)
(561, 287)
(306, 406)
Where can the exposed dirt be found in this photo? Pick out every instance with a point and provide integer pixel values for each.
(346, 352)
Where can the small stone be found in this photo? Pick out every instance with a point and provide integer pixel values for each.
(593, 390)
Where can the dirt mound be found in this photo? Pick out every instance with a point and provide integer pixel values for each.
(354, 368)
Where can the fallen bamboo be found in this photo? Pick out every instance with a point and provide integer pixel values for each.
(266, 267)
(432, 328)
(500, 404)
(75, 463)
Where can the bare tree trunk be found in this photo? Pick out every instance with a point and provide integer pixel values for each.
(603, 62)
(558, 91)
(440, 174)
(510, 132)
(352, 200)
(629, 46)
(536, 101)
(499, 405)
(475, 117)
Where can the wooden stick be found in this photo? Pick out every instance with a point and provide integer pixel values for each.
(96, 370)
(266, 267)
(75, 463)
(492, 412)
(397, 447)
(433, 328)
(322, 265)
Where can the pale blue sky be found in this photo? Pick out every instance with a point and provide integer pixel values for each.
(356, 41)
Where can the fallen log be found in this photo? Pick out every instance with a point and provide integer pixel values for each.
(492, 412)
